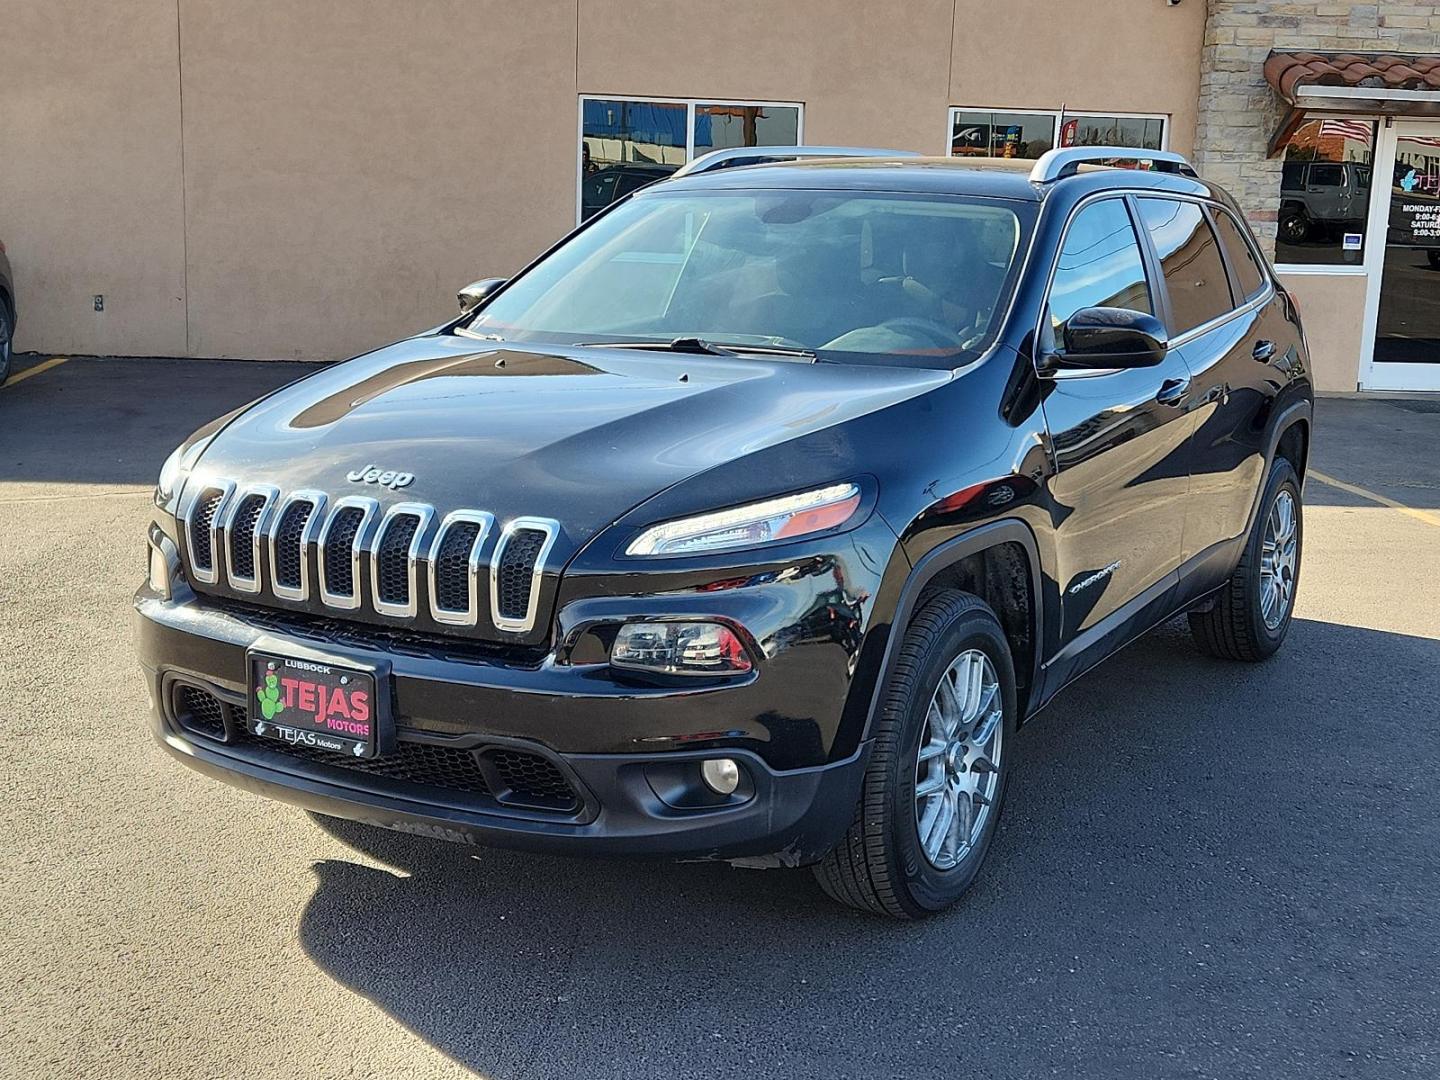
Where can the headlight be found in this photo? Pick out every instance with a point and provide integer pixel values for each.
(175, 469)
(785, 518)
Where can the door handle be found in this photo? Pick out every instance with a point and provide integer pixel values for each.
(1264, 350)
(1172, 391)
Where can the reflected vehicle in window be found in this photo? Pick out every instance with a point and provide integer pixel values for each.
(1319, 199)
(750, 521)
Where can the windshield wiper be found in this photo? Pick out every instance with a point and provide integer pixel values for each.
(702, 346)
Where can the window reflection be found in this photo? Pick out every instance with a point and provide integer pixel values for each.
(1001, 134)
(1143, 133)
(1325, 192)
(625, 145)
(720, 126)
(1190, 260)
(1100, 264)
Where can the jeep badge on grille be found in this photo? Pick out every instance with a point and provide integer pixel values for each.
(371, 474)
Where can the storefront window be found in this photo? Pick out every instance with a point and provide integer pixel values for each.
(1325, 193)
(627, 143)
(1028, 134)
(1001, 134)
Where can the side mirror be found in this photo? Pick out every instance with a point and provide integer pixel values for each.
(477, 292)
(1103, 337)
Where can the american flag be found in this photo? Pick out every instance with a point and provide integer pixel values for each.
(1361, 130)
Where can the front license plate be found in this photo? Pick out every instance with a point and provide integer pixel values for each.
(322, 706)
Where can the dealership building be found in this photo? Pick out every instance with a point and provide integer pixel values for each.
(280, 179)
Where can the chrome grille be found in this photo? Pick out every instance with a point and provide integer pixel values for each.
(396, 564)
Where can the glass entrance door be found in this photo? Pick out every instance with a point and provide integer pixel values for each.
(1406, 353)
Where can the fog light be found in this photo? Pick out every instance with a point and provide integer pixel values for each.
(679, 648)
(721, 775)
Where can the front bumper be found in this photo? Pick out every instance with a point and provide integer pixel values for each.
(626, 803)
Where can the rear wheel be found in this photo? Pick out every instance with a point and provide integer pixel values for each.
(1251, 615)
(938, 766)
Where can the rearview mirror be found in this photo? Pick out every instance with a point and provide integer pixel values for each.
(1104, 337)
(477, 292)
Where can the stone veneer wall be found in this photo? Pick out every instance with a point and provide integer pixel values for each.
(1239, 112)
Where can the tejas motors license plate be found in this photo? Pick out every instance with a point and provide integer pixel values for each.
(321, 706)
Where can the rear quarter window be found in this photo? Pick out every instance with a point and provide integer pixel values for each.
(1248, 274)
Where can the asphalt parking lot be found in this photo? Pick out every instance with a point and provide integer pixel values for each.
(1204, 870)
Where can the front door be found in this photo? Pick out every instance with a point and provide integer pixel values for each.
(1120, 442)
(1405, 271)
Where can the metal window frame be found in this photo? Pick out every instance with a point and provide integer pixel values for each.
(471, 615)
(690, 104)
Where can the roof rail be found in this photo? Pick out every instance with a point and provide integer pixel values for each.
(762, 155)
(1062, 162)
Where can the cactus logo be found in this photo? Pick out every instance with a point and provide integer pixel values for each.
(1409, 182)
(270, 704)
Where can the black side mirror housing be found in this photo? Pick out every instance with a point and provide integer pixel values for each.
(477, 292)
(1104, 337)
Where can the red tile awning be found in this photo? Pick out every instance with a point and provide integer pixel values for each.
(1375, 84)
(1288, 71)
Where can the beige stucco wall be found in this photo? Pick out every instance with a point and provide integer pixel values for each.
(347, 165)
(90, 192)
(1332, 307)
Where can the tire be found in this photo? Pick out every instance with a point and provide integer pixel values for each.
(7, 330)
(1294, 228)
(1235, 626)
(1434, 257)
(882, 865)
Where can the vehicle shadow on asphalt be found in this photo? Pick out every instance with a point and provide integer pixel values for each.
(1185, 840)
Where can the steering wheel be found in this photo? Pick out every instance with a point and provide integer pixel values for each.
(933, 329)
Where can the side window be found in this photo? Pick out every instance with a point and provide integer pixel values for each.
(1242, 258)
(1099, 264)
(1190, 259)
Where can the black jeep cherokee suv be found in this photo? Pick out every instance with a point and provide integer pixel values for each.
(749, 521)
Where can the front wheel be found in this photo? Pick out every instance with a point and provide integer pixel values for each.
(1251, 616)
(6, 331)
(939, 763)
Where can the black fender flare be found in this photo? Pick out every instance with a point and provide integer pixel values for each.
(1297, 412)
(939, 558)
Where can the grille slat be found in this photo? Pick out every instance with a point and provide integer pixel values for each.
(339, 551)
(201, 522)
(452, 567)
(242, 536)
(392, 560)
(289, 550)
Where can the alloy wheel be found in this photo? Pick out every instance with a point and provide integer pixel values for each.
(1278, 561)
(957, 767)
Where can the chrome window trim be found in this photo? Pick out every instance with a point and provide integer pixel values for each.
(551, 528)
(411, 607)
(226, 489)
(268, 493)
(307, 539)
(369, 508)
(471, 615)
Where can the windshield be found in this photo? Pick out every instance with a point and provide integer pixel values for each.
(867, 277)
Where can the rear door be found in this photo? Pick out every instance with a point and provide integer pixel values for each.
(1220, 322)
(1120, 443)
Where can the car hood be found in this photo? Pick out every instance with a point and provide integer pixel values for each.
(578, 435)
